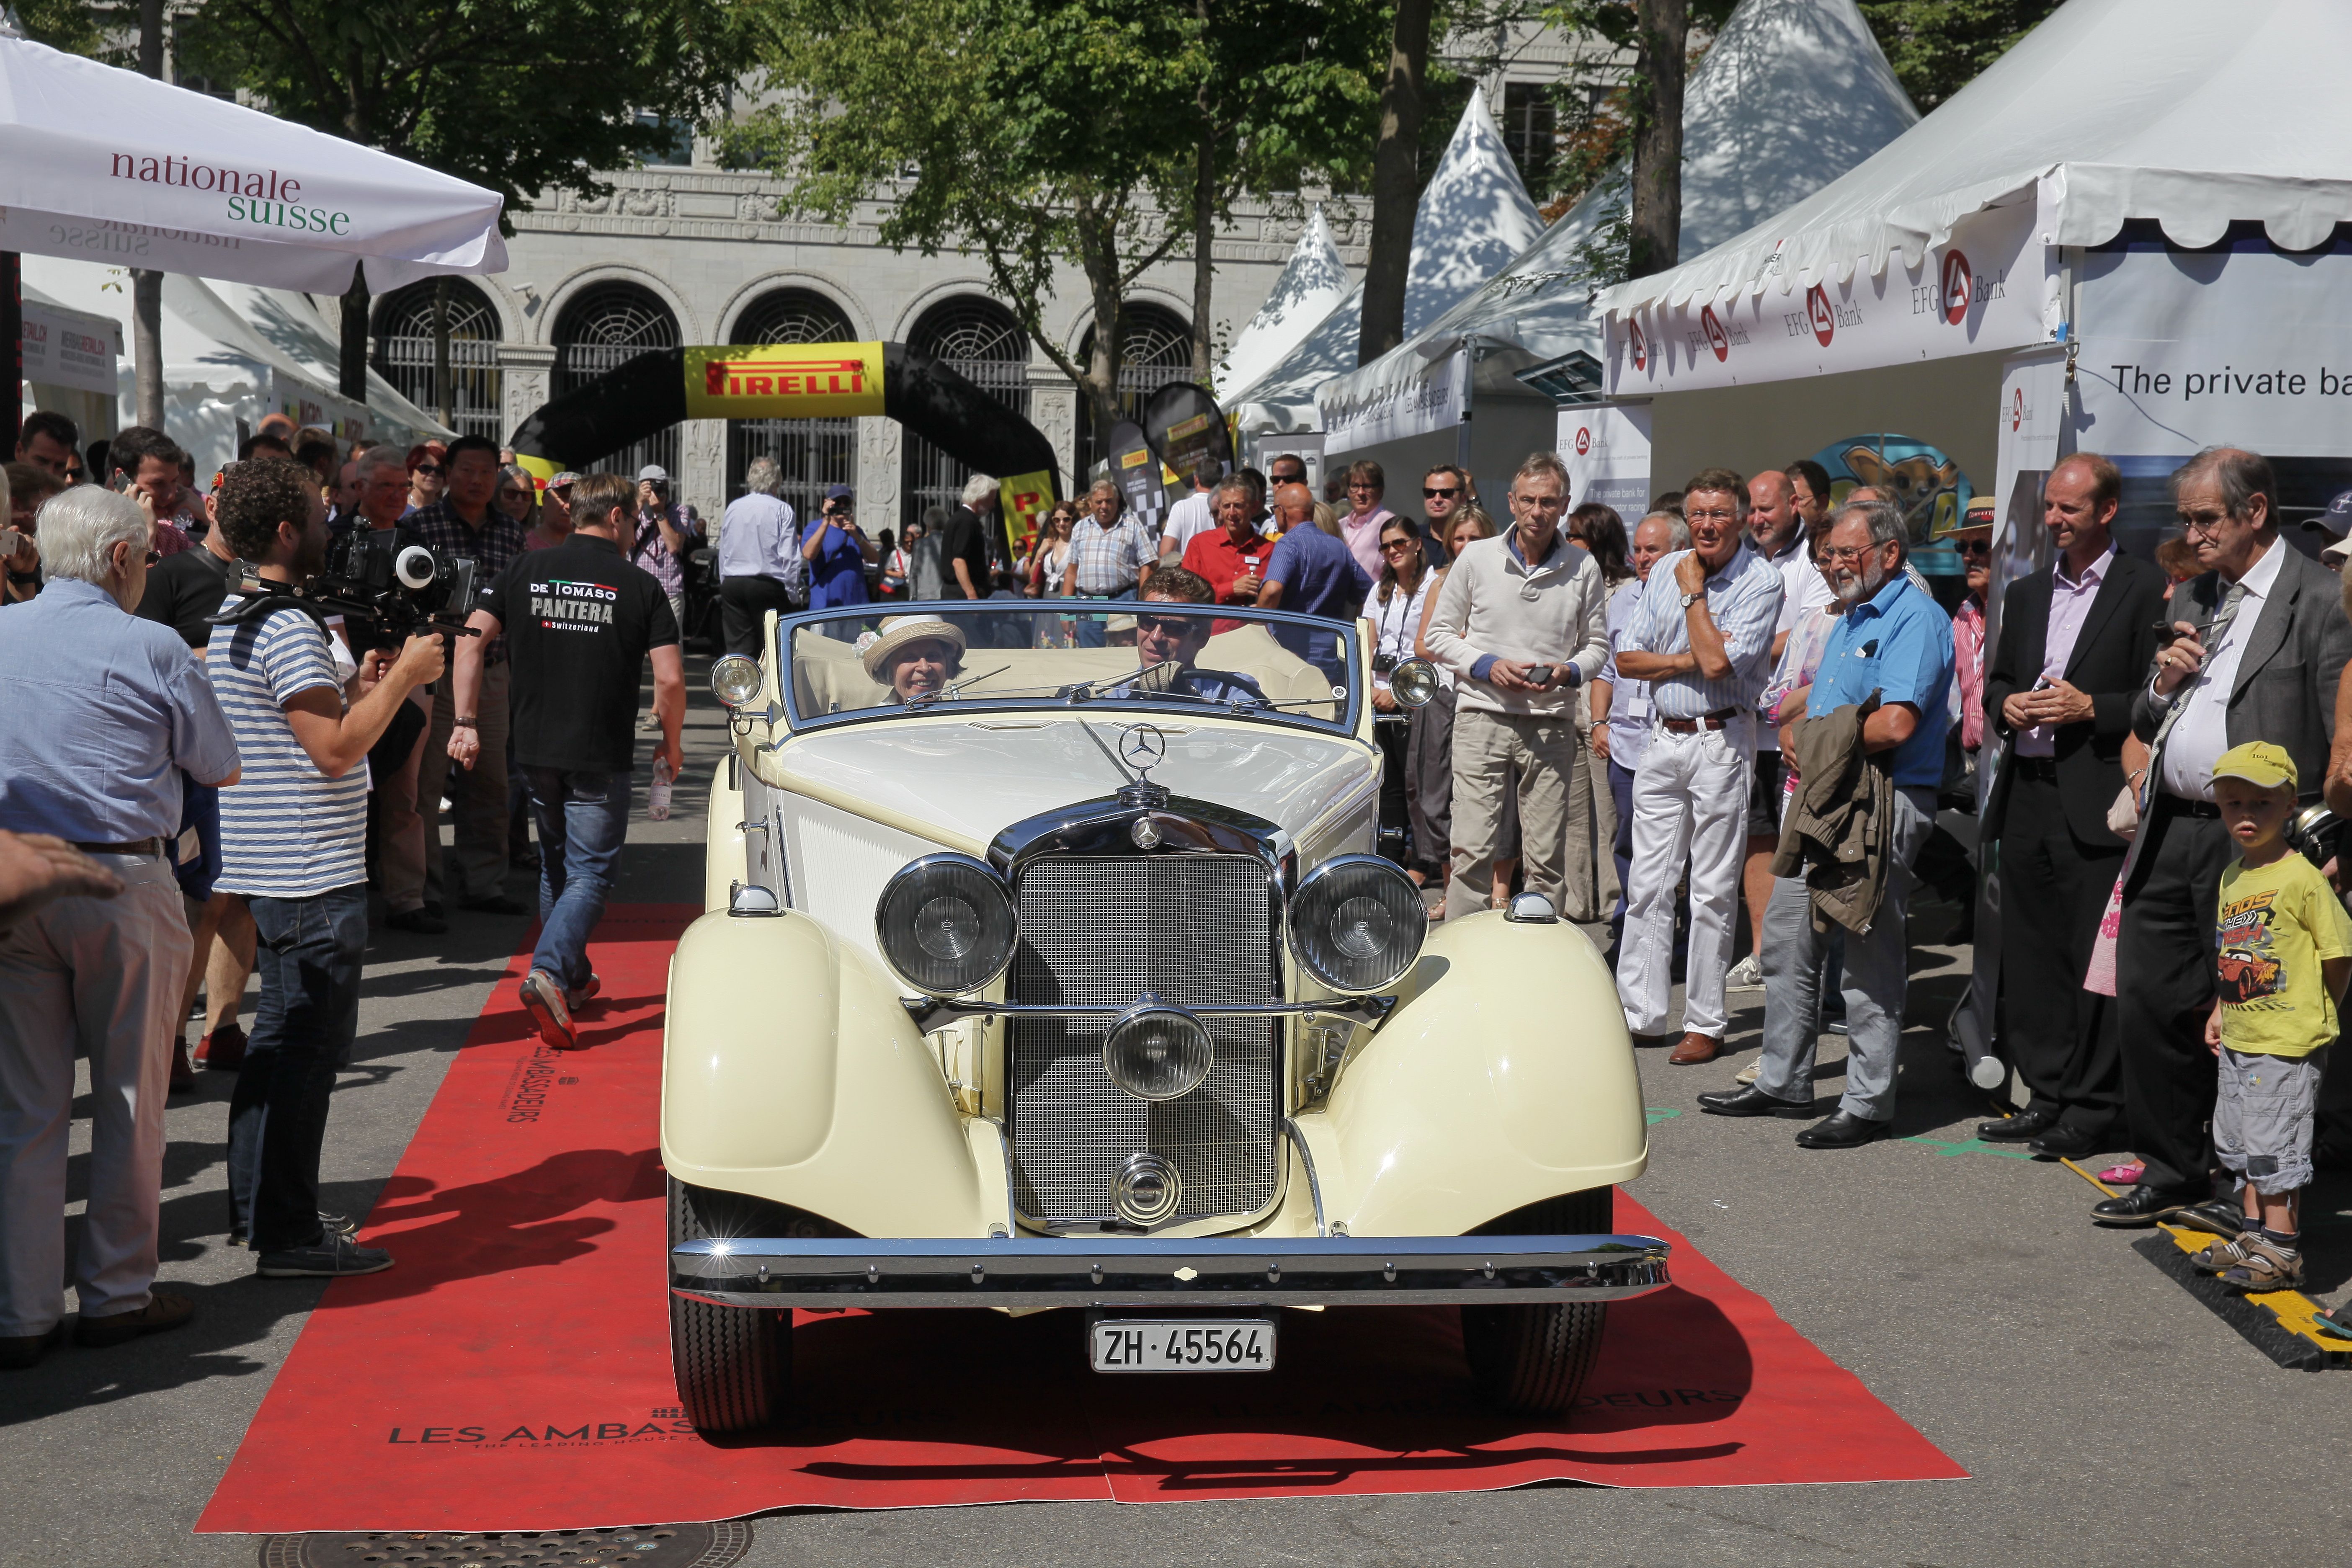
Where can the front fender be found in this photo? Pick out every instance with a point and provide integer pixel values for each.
(1504, 1076)
(790, 1072)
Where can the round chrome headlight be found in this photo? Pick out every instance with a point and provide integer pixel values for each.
(945, 922)
(1414, 684)
(1357, 923)
(735, 680)
(1158, 1052)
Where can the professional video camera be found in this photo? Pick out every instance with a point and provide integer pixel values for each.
(405, 589)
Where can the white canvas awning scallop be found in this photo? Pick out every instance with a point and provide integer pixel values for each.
(1791, 94)
(1473, 217)
(109, 165)
(2189, 113)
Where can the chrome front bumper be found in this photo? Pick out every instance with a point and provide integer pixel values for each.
(1133, 1272)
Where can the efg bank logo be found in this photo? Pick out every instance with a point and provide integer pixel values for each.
(1641, 346)
(1717, 338)
(2018, 413)
(1958, 287)
(1583, 440)
(1818, 313)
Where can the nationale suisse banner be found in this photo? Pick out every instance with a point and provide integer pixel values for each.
(1418, 397)
(783, 381)
(1992, 286)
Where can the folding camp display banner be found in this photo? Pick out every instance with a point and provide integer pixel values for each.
(1136, 470)
(1184, 426)
(1607, 449)
(657, 389)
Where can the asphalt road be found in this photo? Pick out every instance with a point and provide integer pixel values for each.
(2104, 1416)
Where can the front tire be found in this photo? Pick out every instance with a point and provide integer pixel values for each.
(1534, 1358)
(733, 1364)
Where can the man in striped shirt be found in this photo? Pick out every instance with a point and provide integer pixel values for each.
(1701, 638)
(293, 837)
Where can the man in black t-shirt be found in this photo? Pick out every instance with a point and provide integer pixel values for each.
(964, 548)
(579, 620)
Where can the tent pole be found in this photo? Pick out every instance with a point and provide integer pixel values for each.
(12, 332)
(147, 286)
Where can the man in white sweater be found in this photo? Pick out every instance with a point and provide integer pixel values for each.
(1521, 623)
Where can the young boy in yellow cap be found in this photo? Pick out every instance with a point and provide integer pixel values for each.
(2284, 953)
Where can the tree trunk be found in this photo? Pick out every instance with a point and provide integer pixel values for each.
(441, 349)
(1663, 27)
(1396, 184)
(1099, 255)
(146, 286)
(1204, 264)
(351, 370)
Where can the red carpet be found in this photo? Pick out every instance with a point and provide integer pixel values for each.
(513, 1371)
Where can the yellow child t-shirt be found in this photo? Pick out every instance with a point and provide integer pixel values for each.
(2279, 924)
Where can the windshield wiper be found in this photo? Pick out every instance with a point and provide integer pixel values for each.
(954, 690)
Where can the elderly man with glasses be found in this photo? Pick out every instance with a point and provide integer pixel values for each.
(2076, 638)
(106, 712)
(1701, 638)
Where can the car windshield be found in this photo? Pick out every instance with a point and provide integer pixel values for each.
(883, 660)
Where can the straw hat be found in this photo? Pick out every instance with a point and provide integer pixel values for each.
(1979, 516)
(897, 631)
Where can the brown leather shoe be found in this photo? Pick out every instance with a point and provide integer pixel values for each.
(1695, 1048)
(162, 1312)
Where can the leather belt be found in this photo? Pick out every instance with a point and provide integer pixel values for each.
(1114, 592)
(136, 846)
(1715, 721)
(2204, 808)
(2042, 768)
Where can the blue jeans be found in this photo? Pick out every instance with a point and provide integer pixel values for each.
(582, 817)
(1093, 629)
(308, 952)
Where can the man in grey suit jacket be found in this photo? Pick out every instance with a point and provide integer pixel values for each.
(2264, 641)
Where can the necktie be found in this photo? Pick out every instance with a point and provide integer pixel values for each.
(2214, 632)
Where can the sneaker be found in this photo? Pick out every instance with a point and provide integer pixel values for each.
(2265, 1267)
(222, 1050)
(162, 1312)
(587, 992)
(542, 993)
(337, 1224)
(183, 1073)
(329, 1258)
(1750, 1073)
(1747, 974)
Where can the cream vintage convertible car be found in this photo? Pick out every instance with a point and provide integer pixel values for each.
(1036, 973)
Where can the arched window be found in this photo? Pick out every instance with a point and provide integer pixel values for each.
(979, 340)
(604, 326)
(815, 453)
(404, 353)
(1159, 350)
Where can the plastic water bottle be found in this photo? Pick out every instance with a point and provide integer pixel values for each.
(657, 795)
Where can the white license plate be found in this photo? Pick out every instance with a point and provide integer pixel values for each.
(1189, 1344)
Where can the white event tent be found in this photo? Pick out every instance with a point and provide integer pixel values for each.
(104, 166)
(2124, 236)
(233, 352)
(1313, 280)
(1473, 216)
(1790, 95)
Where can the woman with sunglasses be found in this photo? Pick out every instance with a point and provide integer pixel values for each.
(428, 474)
(516, 496)
(1395, 609)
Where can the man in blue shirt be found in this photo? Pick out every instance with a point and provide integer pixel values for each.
(1312, 574)
(105, 712)
(761, 567)
(1893, 640)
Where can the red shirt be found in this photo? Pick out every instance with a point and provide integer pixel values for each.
(1214, 556)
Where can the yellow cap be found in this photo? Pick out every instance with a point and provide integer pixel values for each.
(2256, 762)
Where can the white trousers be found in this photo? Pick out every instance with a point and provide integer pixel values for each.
(1690, 804)
(96, 977)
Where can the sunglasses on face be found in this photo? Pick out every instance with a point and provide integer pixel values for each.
(1164, 625)
(1974, 547)
(426, 469)
(1395, 546)
(1440, 492)
(508, 492)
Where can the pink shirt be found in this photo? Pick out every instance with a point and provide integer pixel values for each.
(1362, 535)
(2070, 603)
(1967, 649)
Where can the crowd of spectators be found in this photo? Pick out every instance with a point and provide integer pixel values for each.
(1727, 732)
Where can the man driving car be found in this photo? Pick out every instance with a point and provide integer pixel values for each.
(1178, 640)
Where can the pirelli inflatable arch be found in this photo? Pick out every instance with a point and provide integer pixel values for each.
(796, 381)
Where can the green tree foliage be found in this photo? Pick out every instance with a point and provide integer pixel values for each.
(1034, 133)
(1939, 47)
(72, 26)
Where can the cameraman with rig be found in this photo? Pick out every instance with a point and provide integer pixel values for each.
(293, 836)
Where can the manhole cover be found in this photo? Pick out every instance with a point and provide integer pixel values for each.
(641, 1546)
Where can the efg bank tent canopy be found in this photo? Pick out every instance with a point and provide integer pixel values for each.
(1791, 94)
(1473, 216)
(107, 165)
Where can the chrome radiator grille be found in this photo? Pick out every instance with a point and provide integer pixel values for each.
(1193, 929)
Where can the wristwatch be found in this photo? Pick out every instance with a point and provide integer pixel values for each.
(461, 724)
(1693, 599)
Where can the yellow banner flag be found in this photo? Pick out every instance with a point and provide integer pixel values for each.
(1024, 499)
(783, 381)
